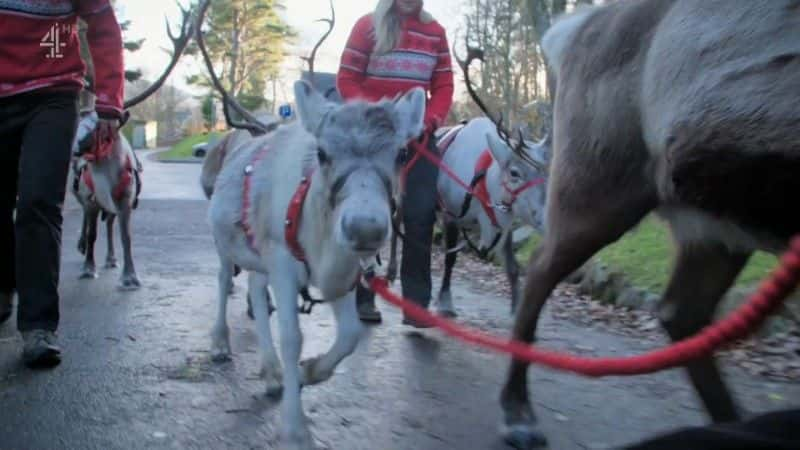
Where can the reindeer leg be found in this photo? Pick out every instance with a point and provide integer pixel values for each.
(90, 223)
(84, 229)
(702, 274)
(391, 269)
(129, 280)
(111, 259)
(573, 238)
(348, 331)
(512, 270)
(444, 305)
(270, 364)
(294, 434)
(220, 339)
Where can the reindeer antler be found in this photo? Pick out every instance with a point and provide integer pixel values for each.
(310, 59)
(251, 124)
(520, 148)
(179, 44)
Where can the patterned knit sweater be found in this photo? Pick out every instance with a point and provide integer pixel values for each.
(421, 58)
(39, 49)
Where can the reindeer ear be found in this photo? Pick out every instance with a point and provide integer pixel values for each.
(409, 114)
(311, 105)
(500, 150)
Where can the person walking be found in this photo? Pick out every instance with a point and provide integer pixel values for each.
(41, 75)
(398, 47)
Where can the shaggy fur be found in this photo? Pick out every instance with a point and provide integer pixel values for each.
(684, 107)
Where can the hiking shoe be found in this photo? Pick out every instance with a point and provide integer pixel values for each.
(6, 299)
(39, 349)
(413, 323)
(367, 312)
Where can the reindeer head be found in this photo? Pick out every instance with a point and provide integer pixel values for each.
(524, 184)
(359, 147)
(523, 164)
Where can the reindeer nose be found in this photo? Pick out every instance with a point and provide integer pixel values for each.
(365, 231)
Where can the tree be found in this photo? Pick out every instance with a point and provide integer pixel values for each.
(515, 80)
(129, 45)
(208, 107)
(247, 39)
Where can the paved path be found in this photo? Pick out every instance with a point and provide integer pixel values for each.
(137, 373)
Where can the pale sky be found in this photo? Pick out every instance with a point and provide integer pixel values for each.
(147, 21)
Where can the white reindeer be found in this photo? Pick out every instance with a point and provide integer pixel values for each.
(512, 175)
(347, 157)
(110, 183)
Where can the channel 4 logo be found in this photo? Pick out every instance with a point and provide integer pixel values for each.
(53, 41)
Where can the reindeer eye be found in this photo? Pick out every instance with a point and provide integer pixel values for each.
(515, 173)
(322, 156)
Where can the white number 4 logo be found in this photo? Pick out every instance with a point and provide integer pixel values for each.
(52, 41)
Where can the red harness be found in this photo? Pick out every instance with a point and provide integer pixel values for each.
(292, 223)
(481, 191)
(102, 151)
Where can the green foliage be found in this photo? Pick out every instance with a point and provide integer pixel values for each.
(246, 40)
(183, 149)
(645, 255)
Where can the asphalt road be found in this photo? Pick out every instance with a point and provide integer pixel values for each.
(137, 374)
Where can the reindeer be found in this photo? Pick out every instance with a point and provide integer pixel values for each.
(512, 183)
(308, 204)
(220, 153)
(109, 184)
(479, 152)
(343, 157)
(684, 107)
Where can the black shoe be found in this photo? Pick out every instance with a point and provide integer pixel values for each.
(39, 349)
(6, 307)
(413, 323)
(367, 312)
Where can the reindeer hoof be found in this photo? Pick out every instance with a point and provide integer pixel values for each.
(447, 313)
(297, 440)
(88, 273)
(111, 263)
(129, 283)
(220, 345)
(310, 373)
(523, 437)
(391, 274)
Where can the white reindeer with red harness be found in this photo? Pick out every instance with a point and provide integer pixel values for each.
(105, 176)
(308, 204)
(484, 185)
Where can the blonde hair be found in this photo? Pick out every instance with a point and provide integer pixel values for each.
(387, 25)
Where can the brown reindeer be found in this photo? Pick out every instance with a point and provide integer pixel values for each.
(685, 107)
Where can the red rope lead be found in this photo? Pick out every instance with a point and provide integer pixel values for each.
(739, 324)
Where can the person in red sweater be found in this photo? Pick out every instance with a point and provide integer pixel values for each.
(41, 75)
(398, 47)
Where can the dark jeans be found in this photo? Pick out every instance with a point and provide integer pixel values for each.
(36, 133)
(419, 216)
